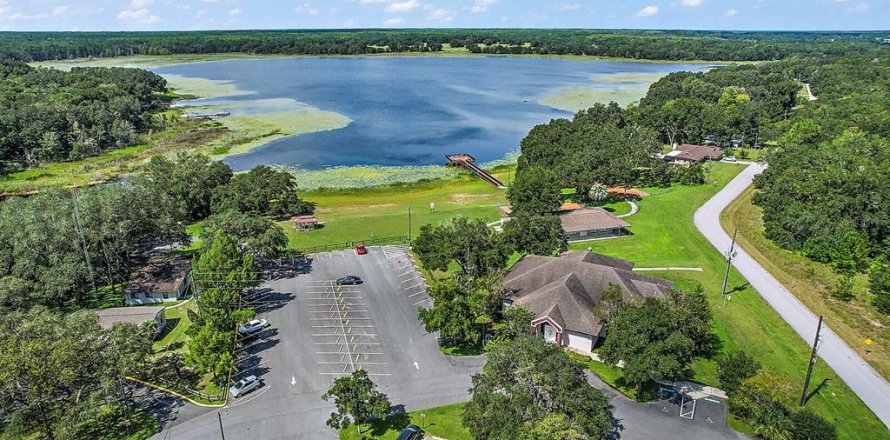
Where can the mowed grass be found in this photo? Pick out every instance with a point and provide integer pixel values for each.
(364, 214)
(664, 235)
(811, 282)
(443, 422)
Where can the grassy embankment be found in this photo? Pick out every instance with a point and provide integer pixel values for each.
(443, 422)
(854, 321)
(664, 235)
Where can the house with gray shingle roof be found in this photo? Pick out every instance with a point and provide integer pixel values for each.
(562, 292)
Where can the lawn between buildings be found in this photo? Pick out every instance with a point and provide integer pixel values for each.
(443, 421)
(665, 236)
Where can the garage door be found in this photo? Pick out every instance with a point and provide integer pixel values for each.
(579, 342)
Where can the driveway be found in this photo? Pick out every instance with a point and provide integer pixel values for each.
(873, 389)
(320, 331)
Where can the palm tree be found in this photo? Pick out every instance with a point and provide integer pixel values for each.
(598, 192)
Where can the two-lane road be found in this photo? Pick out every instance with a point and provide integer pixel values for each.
(873, 389)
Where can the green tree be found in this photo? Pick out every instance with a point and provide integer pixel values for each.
(357, 401)
(658, 337)
(598, 192)
(210, 351)
(462, 308)
(220, 274)
(536, 190)
(516, 322)
(524, 381)
(761, 399)
(553, 426)
(477, 249)
(733, 368)
(185, 185)
(257, 236)
(535, 234)
(260, 191)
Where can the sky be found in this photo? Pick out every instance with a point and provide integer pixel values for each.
(86, 15)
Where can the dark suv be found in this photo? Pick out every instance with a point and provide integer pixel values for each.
(411, 432)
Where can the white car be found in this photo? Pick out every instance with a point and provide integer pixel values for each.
(244, 386)
(253, 327)
(729, 159)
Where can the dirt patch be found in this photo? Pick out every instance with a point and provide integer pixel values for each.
(355, 208)
(466, 199)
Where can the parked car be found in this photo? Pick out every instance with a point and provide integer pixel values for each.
(361, 249)
(244, 386)
(349, 280)
(411, 432)
(729, 159)
(253, 327)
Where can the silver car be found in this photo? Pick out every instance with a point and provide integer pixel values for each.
(253, 327)
(244, 386)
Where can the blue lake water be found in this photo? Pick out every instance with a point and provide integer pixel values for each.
(411, 110)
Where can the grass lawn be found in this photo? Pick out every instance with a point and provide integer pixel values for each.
(174, 337)
(854, 321)
(443, 422)
(362, 214)
(664, 235)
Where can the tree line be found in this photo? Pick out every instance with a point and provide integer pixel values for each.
(48, 115)
(642, 44)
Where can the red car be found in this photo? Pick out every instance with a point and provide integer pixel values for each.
(361, 249)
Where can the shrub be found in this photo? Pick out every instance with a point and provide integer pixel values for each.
(810, 426)
(734, 368)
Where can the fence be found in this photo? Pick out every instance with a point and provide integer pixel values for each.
(179, 388)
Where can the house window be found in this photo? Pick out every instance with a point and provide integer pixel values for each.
(582, 234)
(166, 295)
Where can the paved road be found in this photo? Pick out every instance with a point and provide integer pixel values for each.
(873, 389)
(661, 420)
(304, 351)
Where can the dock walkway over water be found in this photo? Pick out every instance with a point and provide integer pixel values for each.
(469, 162)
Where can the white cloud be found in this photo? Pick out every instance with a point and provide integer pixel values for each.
(21, 16)
(60, 10)
(731, 12)
(349, 23)
(393, 21)
(648, 11)
(138, 4)
(142, 15)
(201, 14)
(405, 6)
(442, 15)
(690, 3)
(862, 8)
(308, 9)
(480, 6)
(567, 7)
(236, 11)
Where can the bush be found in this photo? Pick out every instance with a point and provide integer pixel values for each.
(844, 288)
(810, 426)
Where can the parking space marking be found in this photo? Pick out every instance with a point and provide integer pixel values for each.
(410, 279)
(374, 335)
(416, 285)
(242, 402)
(418, 293)
(410, 272)
(421, 302)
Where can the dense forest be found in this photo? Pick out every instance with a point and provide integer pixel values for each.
(661, 45)
(49, 115)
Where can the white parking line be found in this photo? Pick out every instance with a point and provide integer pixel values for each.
(410, 279)
(337, 326)
(374, 335)
(349, 374)
(421, 302)
(408, 273)
(353, 343)
(251, 398)
(418, 293)
(416, 285)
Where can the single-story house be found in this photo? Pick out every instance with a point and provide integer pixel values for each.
(305, 222)
(162, 279)
(687, 154)
(562, 292)
(590, 223)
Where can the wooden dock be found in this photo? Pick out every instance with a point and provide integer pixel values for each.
(469, 162)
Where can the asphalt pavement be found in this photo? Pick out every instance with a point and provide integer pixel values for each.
(320, 331)
(870, 386)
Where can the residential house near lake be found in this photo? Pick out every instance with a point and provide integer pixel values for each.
(592, 223)
(562, 292)
(688, 154)
(162, 279)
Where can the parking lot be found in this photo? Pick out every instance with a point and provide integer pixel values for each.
(320, 331)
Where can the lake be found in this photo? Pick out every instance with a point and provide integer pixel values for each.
(415, 110)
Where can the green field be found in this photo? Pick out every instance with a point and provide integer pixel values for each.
(364, 214)
(443, 422)
(664, 235)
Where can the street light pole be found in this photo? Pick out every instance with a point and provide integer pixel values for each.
(409, 225)
(729, 256)
(221, 432)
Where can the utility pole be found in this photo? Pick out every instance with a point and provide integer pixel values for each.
(806, 384)
(83, 241)
(221, 432)
(729, 256)
(409, 225)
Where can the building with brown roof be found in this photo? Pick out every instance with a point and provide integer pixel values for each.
(562, 292)
(162, 279)
(688, 154)
(592, 223)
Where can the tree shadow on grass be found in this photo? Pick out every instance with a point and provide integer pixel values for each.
(397, 420)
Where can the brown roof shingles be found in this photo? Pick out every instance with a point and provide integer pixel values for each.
(159, 275)
(590, 219)
(574, 283)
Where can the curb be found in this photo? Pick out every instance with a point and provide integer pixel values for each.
(174, 393)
